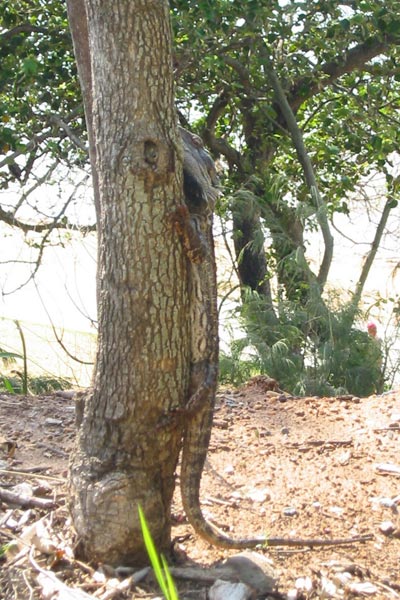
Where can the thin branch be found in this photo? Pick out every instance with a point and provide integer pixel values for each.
(16, 262)
(47, 231)
(229, 250)
(39, 181)
(219, 145)
(56, 120)
(243, 73)
(372, 253)
(58, 338)
(82, 312)
(347, 237)
(226, 296)
(38, 139)
(9, 218)
(308, 170)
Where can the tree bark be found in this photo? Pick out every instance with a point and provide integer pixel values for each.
(127, 447)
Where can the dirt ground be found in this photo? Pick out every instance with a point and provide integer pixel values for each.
(277, 465)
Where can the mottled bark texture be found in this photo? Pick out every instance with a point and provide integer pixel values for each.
(127, 447)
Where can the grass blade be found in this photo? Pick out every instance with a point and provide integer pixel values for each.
(152, 552)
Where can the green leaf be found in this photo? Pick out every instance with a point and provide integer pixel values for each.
(8, 385)
(30, 66)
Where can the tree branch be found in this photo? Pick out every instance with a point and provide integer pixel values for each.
(308, 170)
(22, 28)
(9, 218)
(219, 145)
(353, 59)
(370, 257)
(56, 120)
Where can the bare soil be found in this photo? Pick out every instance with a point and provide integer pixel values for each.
(277, 465)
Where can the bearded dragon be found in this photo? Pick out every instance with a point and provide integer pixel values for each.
(193, 222)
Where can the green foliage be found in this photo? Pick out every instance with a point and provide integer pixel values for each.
(308, 355)
(44, 384)
(7, 384)
(159, 563)
(37, 81)
(3, 550)
(18, 382)
(350, 360)
(239, 365)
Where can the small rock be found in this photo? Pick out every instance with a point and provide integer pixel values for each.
(290, 511)
(50, 421)
(387, 527)
(364, 588)
(336, 510)
(304, 584)
(285, 431)
(328, 588)
(259, 495)
(388, 503)
(254, 569)
(66, 394)
(229, 469)
(342, 579)
(344, 458)
(345, 397)
(225, 589)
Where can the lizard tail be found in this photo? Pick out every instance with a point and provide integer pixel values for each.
(208, 531)
(216, 537)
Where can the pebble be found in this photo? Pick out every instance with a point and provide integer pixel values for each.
(304, 583)
(364, 588)
(259, 495)
(387, 527)
(328, 588)
(290, 511)
(50, 421)
(229, 469)
(253, 569)
(336, 510)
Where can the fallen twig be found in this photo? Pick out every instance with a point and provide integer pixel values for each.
(25, 501)
(388, 468)
(32, 473)
(320, 443)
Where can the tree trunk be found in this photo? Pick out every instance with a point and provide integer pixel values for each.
(127, 447)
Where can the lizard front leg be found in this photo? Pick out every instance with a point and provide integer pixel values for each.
(187, 227)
